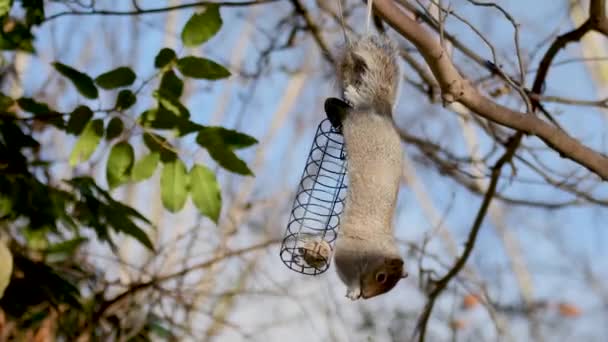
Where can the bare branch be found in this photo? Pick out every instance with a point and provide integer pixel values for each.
(456, 88)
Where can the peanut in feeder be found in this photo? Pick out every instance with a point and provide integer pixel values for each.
(319, 202)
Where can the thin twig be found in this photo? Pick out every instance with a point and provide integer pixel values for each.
(139, 11)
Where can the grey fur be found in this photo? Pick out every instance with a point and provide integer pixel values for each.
(369, 77)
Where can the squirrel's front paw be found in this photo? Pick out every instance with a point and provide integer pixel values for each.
(353, 294)
(351, 95)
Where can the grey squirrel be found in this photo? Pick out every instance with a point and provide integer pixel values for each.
(366, 254)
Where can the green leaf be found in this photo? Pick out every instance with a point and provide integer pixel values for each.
(159, 118)
(156, 328)
(119, 77)
(32, 106)
(5, 102)
(81, 81)
(119, 164)
(229, 160)
(205, 191)
(66, 247)
(164, 57)
(231, 138)
(202, 26)
(197, 67)
(156, 143)
(17, 36)
(78, 119)
(5, 7)
(87, 142)
(125, 99)
(171, 103)
(6, 267)
(114, 129)
(145, 167)
(34, 12)
(171, 84)
(222, 153)
(186, 127)
(174, 185)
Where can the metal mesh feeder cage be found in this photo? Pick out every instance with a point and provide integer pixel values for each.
(319, 202)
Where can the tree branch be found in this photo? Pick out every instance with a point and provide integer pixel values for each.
(313, 28)
(455, 88)
(597, 22)
(441, 284)
(98, 314)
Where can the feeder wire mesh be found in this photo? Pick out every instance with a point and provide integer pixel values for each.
(319, 202)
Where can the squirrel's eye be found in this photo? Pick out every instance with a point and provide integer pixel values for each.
(381, 277)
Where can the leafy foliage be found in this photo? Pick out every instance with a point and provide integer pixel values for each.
(97, 209)
(52, 216)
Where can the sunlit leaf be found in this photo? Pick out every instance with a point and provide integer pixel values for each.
(81, 81)
(87, 142)
(6, 267)
(145, 167)
(119, 164)
(119, 77)
(205, 192)
(174, 185)
(202, 26)
(198, 67)
(5, 7)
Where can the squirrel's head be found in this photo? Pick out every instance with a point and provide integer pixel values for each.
(368, 272)
(369, 74)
